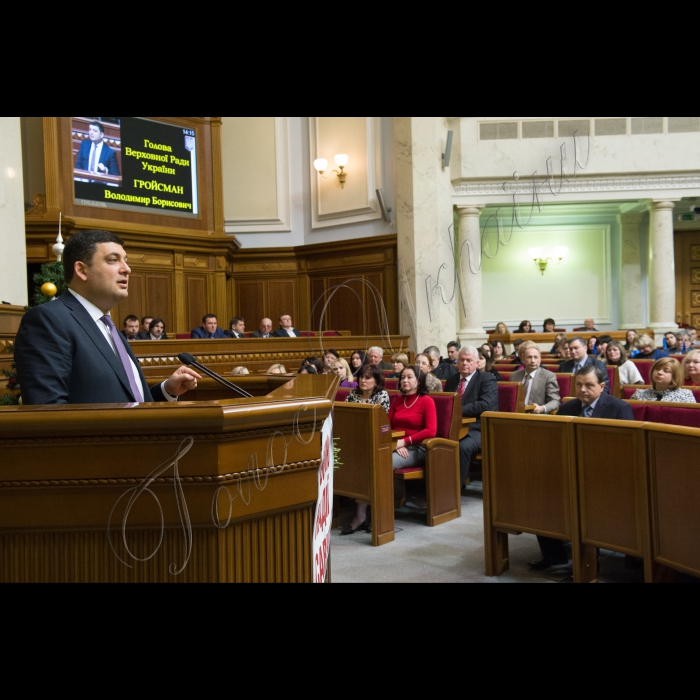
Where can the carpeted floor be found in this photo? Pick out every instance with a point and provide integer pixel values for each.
(451, 553)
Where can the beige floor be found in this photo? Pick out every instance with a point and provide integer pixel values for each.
(451, 553)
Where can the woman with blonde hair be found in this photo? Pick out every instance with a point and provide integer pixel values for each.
(691, 368)
(648, 350)
(666, 379)
(342, 369)
(399, 362)
(502, 329)
(277, 369)
(240, 372)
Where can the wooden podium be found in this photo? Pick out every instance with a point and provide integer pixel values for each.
(237, 507)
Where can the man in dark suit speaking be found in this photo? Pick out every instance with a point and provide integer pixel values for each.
(95, 155)
(479, 393)
(592, 402)
(69, 350)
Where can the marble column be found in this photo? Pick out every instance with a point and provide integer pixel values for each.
(662, 275)
(631, 298)
(13, 250)
(471, 318)
(424, 218)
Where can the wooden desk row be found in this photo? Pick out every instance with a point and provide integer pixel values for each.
(616, 485)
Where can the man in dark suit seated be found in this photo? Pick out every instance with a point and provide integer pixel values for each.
(580, 359)
(156, 331)
(442, 369)
(237, 328)
(146, 324)
(265, 330)
(69, 351)
(479, 393)
(592, 402)
(131, 328)
(95, 155)
(209, 330)
(286, 329)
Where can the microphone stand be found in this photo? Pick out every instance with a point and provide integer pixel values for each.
(191, 362)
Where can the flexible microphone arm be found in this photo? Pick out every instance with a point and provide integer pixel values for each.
(190, 361)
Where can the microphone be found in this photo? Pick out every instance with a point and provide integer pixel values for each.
(190, 361)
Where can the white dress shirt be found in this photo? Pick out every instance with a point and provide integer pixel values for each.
(96, 315)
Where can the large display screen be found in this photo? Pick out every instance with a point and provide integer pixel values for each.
(135, 164)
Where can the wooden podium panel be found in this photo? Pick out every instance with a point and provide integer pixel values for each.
(65, 469)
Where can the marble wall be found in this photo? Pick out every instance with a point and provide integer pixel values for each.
(13, 268)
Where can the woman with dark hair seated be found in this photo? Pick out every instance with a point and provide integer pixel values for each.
(616, 356)
(525, 327)
(370, 388)
(486, 364)
(667, 377)
(311, 365)
(499, 351)
(549, 325)
(415, 414)
(357, 361)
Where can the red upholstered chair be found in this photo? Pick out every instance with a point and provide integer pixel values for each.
(510, 397)
(331, 334)
(565, 383)
(644, 367)
(629, 391)
(686, 415)
(307, 334)
(392, 384)
(505, 376)
(640, 410)
(441, 472)
(342, 394)
(388, 373)
(183, 336)
(612, 375)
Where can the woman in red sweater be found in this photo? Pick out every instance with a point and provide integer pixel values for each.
(415, 415)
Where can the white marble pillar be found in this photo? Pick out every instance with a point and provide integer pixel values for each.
(471, 319)
(662, 275)
(631, 298)
(13, 250)
(424, 219)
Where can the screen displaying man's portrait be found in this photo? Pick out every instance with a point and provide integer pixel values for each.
(98, 151)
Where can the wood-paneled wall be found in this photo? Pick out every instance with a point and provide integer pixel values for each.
(299, 281)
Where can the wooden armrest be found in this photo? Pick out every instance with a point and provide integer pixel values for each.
(530, 409)
(464, 431)
(396, 435)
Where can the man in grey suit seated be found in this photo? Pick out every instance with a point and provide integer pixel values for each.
(541, 386)
(580, 359)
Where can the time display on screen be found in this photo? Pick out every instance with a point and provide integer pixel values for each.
(135, 163)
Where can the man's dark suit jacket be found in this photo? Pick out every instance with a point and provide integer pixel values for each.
(108, 158)
(568, 368)
(481, 396)
(62, 357)
(201, 334)
(147, 336)
(258, 334)
(445, 370)
(607, 408)
(232, 334)
(281, 333)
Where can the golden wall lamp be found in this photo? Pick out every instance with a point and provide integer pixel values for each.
(543, 257)
(341, 160)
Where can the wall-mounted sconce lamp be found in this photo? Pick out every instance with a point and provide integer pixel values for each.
(321, 165)
(543, 257)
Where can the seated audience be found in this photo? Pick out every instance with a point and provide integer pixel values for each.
(693, 336)
(399, 362)
(580, 359)
(479, 393)
(210, 329)
(416, 416)
(131, 328)
(240, 372)
(442, 369)
(311, 365)
(329, 359)
(592, 345)
(488, 350)
(589, 325)
(237, 328)
(630, 341)
(375, 356)
(277, 369)
(667, 377)
(453, 349)
(265, 330)
(514, 359)
(561, 338)
(502, 329)
(425, 364)
(592, 402)
(370, 389)
(286, 329)
(156, 331)
(602, 346)
(549, 325)
(342, 369)
(672, 344)
(691, 367)
(486, 363)
(541, 386)
(616, 356)
(685, 344)
(357, 361)
(525, 327)
(561, 351)
(647, 350)
(499, 351)
(146, 324)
